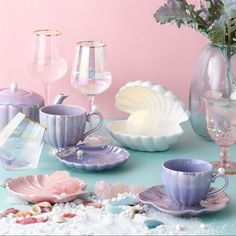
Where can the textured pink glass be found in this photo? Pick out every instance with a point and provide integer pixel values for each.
(221, 125)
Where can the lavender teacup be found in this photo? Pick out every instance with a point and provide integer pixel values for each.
(188, 181)
(66, 124)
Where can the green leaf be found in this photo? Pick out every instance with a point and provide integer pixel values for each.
(181, 13)
(172, 11)
(217, 31)
(231, 24)
(216, 19)
(215, 9)
(223, 31)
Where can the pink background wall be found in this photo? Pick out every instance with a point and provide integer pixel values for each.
(138, 48)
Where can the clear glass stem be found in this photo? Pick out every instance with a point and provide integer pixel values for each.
(225, 155)
(91, 104)
(47, 90)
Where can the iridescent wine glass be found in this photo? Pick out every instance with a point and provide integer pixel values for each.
(45, 63)
(221, 125)
(91, 77)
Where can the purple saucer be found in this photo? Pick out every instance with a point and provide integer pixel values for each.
(157, 197)
(93, 158)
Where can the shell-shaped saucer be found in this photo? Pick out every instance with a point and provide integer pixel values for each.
(158, 198)
(56, 188)
(94, 158)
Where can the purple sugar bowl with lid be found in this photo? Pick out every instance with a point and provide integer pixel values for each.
(14, 100)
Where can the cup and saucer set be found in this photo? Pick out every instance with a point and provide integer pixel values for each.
(186, 189)
(66, 133)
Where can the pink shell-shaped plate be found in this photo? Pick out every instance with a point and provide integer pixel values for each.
(33, 189)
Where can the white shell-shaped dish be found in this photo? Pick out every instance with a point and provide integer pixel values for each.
(146, 95)
(118, 131)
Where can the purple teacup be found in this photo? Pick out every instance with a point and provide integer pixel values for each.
(66, 124)
(188, 181)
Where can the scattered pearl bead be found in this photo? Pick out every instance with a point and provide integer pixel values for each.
(179, 227)
(221, 171)
(203, 226)
(94, 108)
(80, 153)
(233, 96)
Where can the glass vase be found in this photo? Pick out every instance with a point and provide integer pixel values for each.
(215, 70)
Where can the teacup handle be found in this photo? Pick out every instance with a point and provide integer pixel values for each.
(96, 127)
(221, 189)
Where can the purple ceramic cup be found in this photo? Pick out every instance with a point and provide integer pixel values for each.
(66, 124)
(188, 181)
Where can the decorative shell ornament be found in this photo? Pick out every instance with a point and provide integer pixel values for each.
(155, 117)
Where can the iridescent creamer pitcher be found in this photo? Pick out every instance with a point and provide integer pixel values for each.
(21, 143)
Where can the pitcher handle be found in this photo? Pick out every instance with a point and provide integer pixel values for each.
(96, 127)
(221, 189)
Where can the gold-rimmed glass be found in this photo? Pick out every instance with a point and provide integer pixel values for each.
(45, 63)
(91, 77)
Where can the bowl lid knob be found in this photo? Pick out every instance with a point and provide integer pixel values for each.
(13, 87)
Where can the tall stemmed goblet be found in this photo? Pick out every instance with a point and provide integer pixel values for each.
(91, 77)
(45, 63)
(221, 125)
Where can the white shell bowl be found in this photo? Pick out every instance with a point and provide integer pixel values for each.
(117, 130)
(146, 95)
(157, 133)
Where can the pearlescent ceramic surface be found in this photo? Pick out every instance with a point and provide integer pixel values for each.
(14, 100)
(157, 197)
(56, 188)
(145, 100)
(142, 95)
(118, 131)
(66, 124)
(187, 181)
(95, 158)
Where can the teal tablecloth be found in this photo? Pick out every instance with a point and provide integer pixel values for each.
(143, 168)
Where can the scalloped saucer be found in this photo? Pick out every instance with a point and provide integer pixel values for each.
(93, 158)
(157, 197)
(58, 187)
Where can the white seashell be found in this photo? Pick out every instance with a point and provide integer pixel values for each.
(146, 95)
(44, 204)
(35, 210)
(59, 219)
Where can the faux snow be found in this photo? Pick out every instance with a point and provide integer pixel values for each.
(90, 220)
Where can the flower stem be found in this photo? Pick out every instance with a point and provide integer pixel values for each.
(194, 15)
